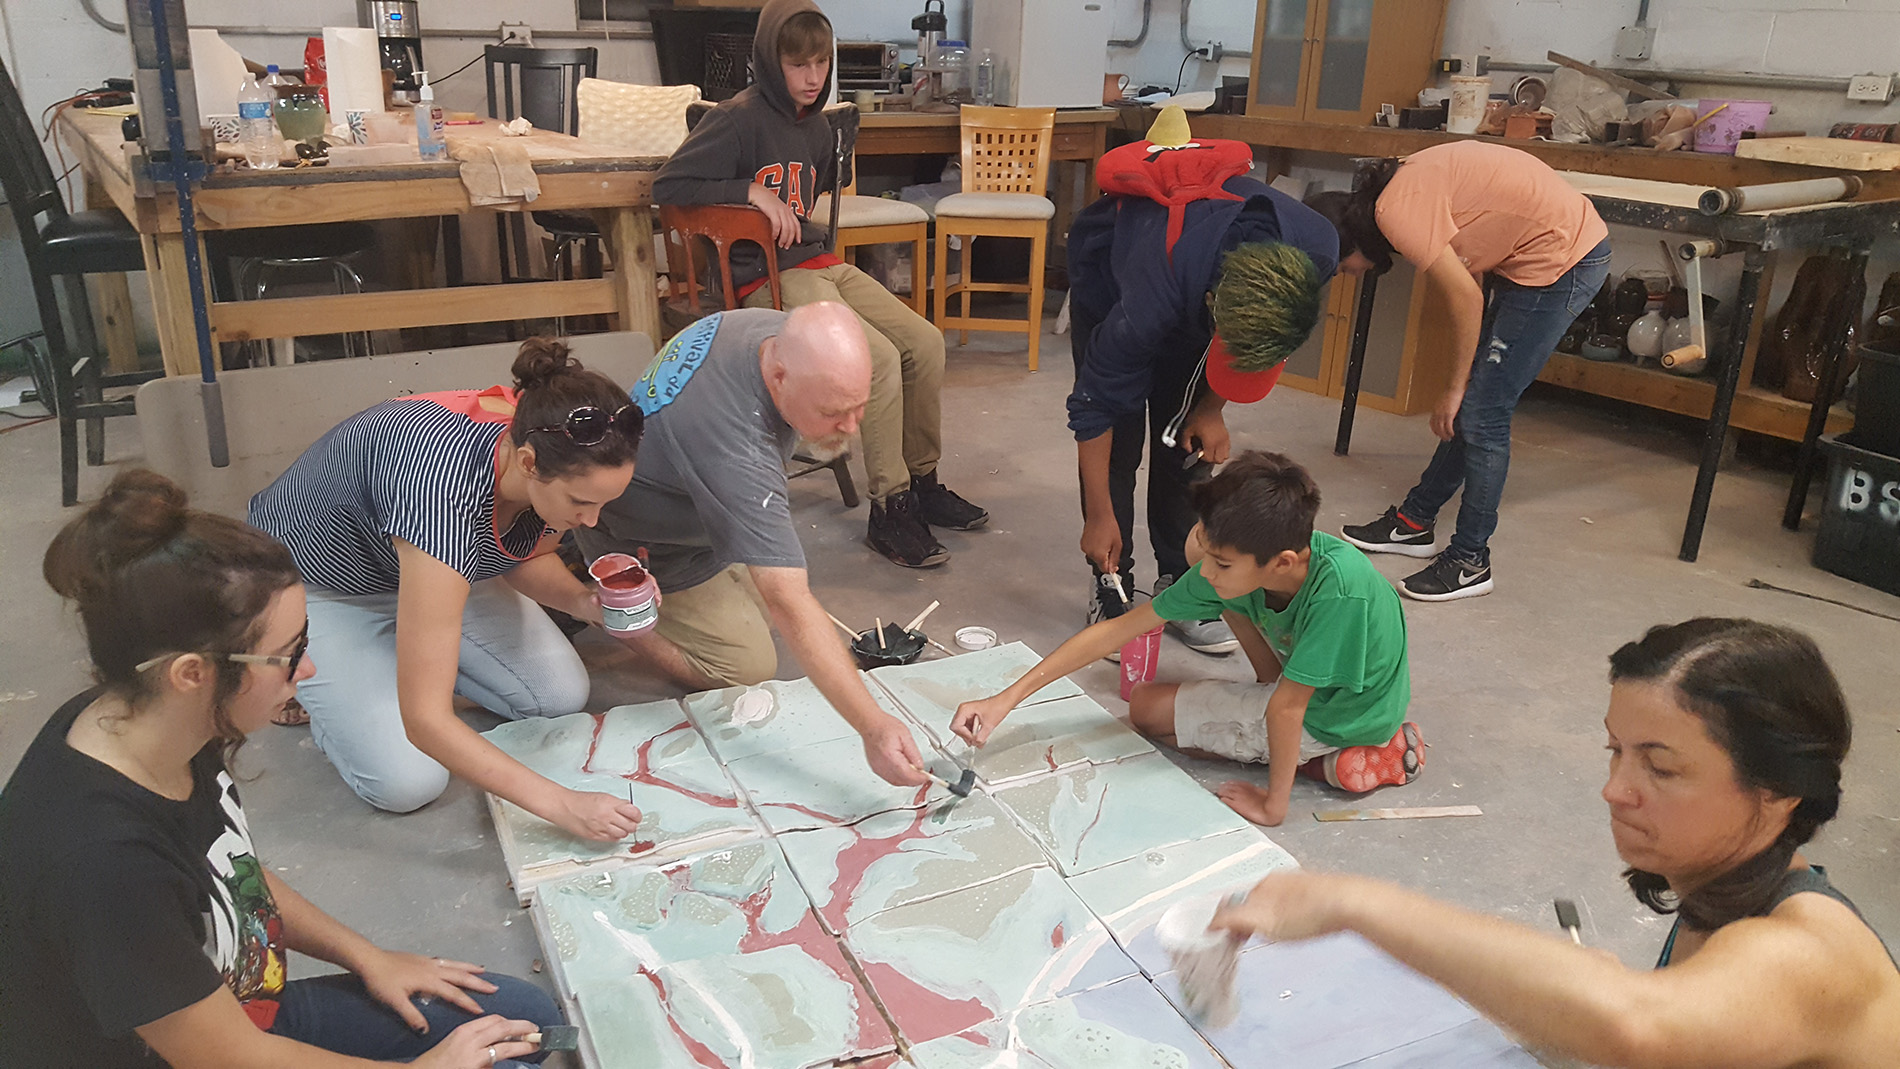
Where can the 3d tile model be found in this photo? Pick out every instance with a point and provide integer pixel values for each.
(781, 907)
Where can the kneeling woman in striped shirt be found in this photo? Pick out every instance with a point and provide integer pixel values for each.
(423, 527)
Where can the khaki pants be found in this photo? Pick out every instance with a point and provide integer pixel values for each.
(720, 625)
(903, 424)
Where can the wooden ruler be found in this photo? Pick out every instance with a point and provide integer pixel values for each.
(1330, 815)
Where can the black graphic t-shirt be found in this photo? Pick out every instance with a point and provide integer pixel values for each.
(119, 906)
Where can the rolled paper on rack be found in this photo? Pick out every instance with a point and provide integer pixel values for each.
(1723, 201)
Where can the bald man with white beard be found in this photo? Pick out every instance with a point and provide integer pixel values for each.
(726, 401)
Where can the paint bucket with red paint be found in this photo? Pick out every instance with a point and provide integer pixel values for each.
(629, 595)
(1140, 657)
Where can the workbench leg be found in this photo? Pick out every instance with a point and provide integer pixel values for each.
(112, 303)
(1833, 369)
(171, 302)
(636, 299)
(1729, 375)
(1100, 147)
(1355, 361)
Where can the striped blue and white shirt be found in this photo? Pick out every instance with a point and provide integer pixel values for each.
(418, 468)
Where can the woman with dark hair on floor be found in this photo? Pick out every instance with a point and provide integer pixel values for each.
(425, 528)
(1515, 253)
(1726, 739)
(135, 917)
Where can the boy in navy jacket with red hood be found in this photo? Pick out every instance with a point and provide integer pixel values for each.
(1191, 285)
(771, 147)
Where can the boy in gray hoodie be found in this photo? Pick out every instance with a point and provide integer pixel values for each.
(771, 147)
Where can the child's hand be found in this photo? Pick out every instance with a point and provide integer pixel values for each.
(1254, 802)
(974, 720)
(786, 228)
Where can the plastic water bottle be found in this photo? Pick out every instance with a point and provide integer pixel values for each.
(986, 80)
(257, 131)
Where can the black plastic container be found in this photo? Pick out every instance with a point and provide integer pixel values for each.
(1859, 537)
(1877, 402)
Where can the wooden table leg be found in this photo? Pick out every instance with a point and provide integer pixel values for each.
(636, 299)
(1728, 378)
(171, 302)
(1100, 147)
(112, 303)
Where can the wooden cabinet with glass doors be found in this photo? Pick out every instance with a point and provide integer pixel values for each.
(1336, 61)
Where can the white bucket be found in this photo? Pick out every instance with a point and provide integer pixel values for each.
(1468, 97)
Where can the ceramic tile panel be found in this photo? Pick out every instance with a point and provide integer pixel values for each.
(1038, 739)
(1475, 1044)
(1327, 1002)
(1130, 896)
(944, 965)
(798, 716)
(930, 691)
(685, 808)
(830, 783)
(1123, 1025)
(1088, 816)
(613, 742)
(892, 859)
(738, 899)
(780, 1008)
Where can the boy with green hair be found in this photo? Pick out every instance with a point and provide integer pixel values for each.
(1322, 628)
(771, 147)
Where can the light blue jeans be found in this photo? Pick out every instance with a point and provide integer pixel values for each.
(1521, 326)
(515, 662)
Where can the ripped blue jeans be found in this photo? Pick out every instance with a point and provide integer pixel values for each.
(1521, 326)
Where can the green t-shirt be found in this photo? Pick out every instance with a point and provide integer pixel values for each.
(1343, 634)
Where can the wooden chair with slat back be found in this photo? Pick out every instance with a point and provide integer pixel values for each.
(877, 221)
(1005, 174)
(689, 229)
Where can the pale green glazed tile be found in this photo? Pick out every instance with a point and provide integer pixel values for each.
(1123, 1025)
(627, 1027)
(737, 899)
(800, 716)
(612, 742)
(779, 1008)
(1088, 816)
(1130, 896)
(947, 964)
(1038, 739)
(892, 859)
(930, 691)
(830, 783)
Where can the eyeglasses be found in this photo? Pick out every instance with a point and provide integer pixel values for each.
(589, 424)
(292, 661)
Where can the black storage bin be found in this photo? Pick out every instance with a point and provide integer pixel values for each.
(1877, 402)
(1860, 515)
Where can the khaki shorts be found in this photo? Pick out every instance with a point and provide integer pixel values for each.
(1230, 720)
(720, 625)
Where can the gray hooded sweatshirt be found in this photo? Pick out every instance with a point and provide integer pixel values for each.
(758, 137)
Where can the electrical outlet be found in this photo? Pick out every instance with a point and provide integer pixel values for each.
(1214, 51)
(517, 33)
(1480, 65)
(1635, 42)
(1450, 65)
(1877, 88)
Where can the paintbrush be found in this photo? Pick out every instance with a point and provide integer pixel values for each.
(882, 645)
(1568, 920)
(842, 626)
(962, 787)
(928, 609)
(555, 1037)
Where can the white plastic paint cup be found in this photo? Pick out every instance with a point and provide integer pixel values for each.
(1469, 95)
(629, 596)
(1204, 961)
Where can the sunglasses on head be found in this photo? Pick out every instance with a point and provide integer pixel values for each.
(589, 424)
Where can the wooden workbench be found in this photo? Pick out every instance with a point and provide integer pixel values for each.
(573, 175)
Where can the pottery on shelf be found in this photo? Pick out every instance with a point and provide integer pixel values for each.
(1603, 348)
(1645, 337)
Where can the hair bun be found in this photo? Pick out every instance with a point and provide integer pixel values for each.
(140, 511)
(541, 361)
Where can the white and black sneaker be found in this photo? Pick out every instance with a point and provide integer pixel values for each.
(1105, 603)
(1212, 637)
(1391, 533)
(1449, 578)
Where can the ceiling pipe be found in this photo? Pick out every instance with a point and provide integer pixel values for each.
(1225, 53)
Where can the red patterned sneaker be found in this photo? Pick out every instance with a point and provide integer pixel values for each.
(1363, 768)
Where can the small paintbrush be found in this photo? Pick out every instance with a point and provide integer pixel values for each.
(962, 787)
(555, 1037)
(1568, 919)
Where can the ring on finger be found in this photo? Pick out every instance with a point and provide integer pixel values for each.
(491, 1056)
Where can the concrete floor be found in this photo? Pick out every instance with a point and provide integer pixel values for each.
(1510, 689)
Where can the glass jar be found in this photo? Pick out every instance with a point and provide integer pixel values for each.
(952, 64)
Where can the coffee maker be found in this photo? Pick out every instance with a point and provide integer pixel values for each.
(399, 39)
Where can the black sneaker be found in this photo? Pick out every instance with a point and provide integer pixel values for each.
(939, 506)
(1106, 604)
(899, 533)
(1390, 534)
(1449, 578)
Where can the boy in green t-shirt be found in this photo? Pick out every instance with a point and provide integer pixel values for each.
(1321, 626)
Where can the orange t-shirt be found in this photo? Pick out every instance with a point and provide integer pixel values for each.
(1498, 208)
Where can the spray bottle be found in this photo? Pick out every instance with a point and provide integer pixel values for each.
(428, 122)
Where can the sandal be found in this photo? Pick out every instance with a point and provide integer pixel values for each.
(292, 715)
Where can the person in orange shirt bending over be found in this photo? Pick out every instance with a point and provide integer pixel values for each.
(1519, 253)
